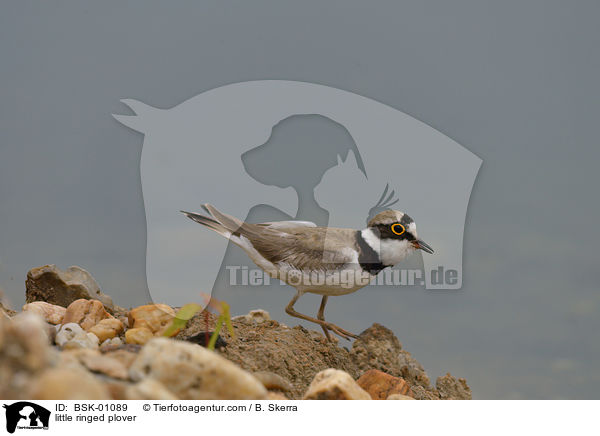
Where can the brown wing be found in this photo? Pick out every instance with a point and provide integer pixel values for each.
(300, 245)
(304, 248)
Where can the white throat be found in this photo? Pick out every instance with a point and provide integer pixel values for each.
(390, 251)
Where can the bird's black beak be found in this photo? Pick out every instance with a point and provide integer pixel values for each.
(422, 245)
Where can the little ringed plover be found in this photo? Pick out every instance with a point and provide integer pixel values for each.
(320, 260)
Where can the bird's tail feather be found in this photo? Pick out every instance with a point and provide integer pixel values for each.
(220, 222)
(208, 222)
(229, 222)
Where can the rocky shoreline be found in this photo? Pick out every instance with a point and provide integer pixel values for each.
(70, 341)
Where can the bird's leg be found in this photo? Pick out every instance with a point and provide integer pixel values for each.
(329, 326)
(321, 316)
(334, 328)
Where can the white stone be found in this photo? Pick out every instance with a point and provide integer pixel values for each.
(71, 335)
(192, 372)
(334, 384)
(254, 316)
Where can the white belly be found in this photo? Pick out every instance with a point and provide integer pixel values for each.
(334, 282)
(342, 281)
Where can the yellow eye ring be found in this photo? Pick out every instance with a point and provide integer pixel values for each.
(395, 228)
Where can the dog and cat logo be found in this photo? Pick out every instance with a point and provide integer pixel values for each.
(26, 415)
(277, 150)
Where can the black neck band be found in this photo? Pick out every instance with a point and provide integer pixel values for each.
(367, 257)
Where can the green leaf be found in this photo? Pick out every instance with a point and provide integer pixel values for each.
(227, 316)
(181, 318)
(224, 318)
(215, 335)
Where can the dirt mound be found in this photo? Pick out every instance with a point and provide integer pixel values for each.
(297, 355)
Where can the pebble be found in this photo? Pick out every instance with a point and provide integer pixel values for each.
(107, 329)
(154, 317)
(334, 384)
(138, 336)
(110, 343)
(71, 335)
(381, 385)
(51, 313)
(256, 316)
(86, 313)
(194, 373)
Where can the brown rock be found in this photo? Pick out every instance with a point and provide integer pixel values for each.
(381, 385)
(67, 384)
(138, 336)
(154, 317)
(450, 388)
(378, 348)
(86, 313)
(413, 372)
(107, 329)
(420, 393)
(333, 384)
(51, 313)
(53, 285)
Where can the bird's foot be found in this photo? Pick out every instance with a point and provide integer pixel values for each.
(339, 331)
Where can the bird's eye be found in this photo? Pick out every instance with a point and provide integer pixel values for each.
(398, 228)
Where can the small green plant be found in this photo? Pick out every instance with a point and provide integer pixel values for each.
(224, 318)
(181, 318)
(189, 310)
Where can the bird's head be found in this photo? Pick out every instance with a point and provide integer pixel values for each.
(393, 235)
